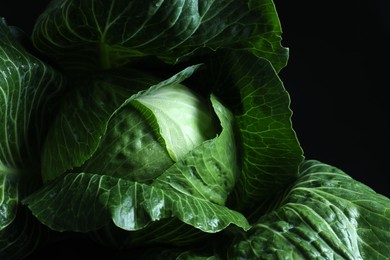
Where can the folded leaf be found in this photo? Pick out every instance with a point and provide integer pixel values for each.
(327, 215)
(269, 148)
(210, 170)
(84, 202)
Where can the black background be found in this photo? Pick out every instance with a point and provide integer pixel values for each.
(337, 77)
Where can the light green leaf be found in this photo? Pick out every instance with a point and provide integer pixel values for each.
(326, 214)
(210, 170)
(183, 117)
(90, 34)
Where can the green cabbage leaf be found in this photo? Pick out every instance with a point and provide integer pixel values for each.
(28, 92)
(160, 129)
(325, 214)
(90, 35)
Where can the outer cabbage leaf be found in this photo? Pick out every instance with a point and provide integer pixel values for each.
(27, 87)
(85, 202)
(269, 149)
(326, 214)
(90, 34)
(28, 91)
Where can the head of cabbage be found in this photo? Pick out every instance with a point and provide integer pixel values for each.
(139, 160)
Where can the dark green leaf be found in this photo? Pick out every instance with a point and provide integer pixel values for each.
(85, 202)
(28, 88)
(326, 215)
(90, 34)
(269, 147)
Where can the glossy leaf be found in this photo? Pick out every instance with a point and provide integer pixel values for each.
(28, 91)
(85, 202)
(326, 214)
(91, 35)
(268, 146)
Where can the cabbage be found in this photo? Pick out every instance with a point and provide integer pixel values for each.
(161, 129)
